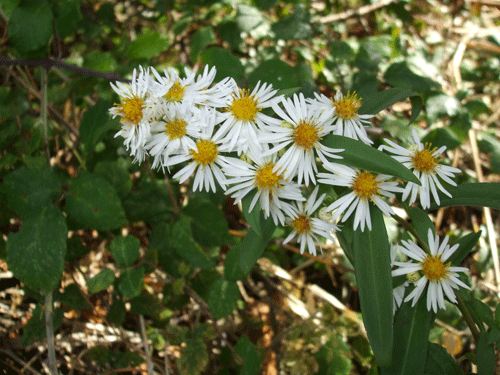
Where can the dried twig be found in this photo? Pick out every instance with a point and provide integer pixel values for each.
(361, 11)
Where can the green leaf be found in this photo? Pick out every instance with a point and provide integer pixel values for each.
(249, 18)
(232, 269)
(125, 250)
(484, 313)
(27, 191)
(75, 248)
(294, 27)
(193, 358)
(420, 221)
(442, 137)
(276, 72)
(227, 64)
(223, 297)
(399, 74)
(357, 154)
(466, 244)
(95, 123)
(333, 357)
(250, 356)
(386, 98)
(485, 356)
(411, 339)
(481, 194)
(67, 15)
(130, 282)
(117, 312)
(229, 32)
(439, 105)
(372, 262)
(101, 61)
(73, 298)
(145, 304)
(35, 328)
(181, 239)
(37, 252)
(148, 45)
(102, 281)
(159, 241)
(439, 362)
(91, 202)
(209, 225)
(116, 173)
(200, 39)
(29, 16)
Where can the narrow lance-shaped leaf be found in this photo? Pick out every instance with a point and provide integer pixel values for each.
(474, 194)
(372, 263)
(359, 155)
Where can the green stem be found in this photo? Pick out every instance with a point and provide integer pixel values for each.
(50, 333)
(468, 318)
(412, 230)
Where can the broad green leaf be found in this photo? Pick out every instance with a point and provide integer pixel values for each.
(200, 39)
(333, 357)
(125, 250)
(386, 98)
(250, 356)
(439, 105)
(36, 253)
(193, 358)
(35, 328)
(297, 26)
(442, 137)
(27, 191)
(30, 25)
(400, 75)
(223, 297)
(116, 173)
(73, 298)
(439, 362)
(357, 154)
(481, 194)
(232, 269)
(91, 202)
(460, 125)
(248, 17)
(66, 15)
(95, 123)
(485, 356)
(75, 248)
(209, 225)
(372, 264)
(276, 72)
(102, 281)
(229, 32)
(159, 241)
(411, 339)
(181, 239)
(117, 312)
(148, 45)
(466, 244)
(130, 282)
(145, 304)
(227, 64)
(101, 61)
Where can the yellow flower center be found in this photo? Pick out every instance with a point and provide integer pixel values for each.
(434, 269)
(347, 107)
(305, 134)
(245, 107)
(175, 93)
(365, 185)
(301, 224)
(131, 110)
(207, 152)
(175, 128)
(265, 178)
(424, 161)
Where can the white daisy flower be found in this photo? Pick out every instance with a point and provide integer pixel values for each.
(173, 134)
(305, 227)
(365, 187)
(193, 89)
(271, 187)
(243, 117)
(346, 119)
(205, 158)
(440, 276)
(303, 135)
(135, 129)
(424, 162)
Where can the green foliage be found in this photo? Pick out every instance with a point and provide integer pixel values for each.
(101, 281)
(208, 225)
(223, 297)
(193, 358)
(125, 250)
(472, 194)
(227, 64)
(131, 282)
(35, 328)
(201, 39)
(37, 252)
(439, 362)
(333, 358)
(148, 45)
(250, 356)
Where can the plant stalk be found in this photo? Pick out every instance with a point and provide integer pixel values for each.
(49, 312)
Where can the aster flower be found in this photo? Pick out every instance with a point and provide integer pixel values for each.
(135, 129)
(193, 89)
(244, 119)
(438, 275)
(205, 158)
(346, 119)
(303, 135)
(270, 187)
(174, 133)
(305, 227)
(366, 187)
(425, 164)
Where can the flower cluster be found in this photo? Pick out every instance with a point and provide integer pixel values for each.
(225, 136)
